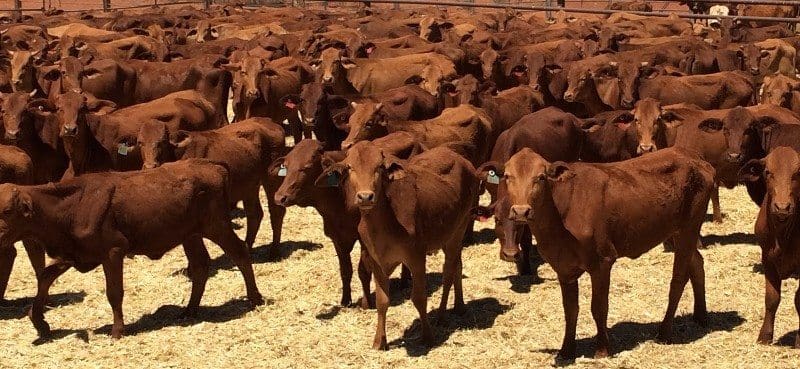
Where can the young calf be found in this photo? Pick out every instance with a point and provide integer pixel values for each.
(300, 168)
(585, 216)
(246, 148)
(775, 229)
(408, 209)
(98, 219)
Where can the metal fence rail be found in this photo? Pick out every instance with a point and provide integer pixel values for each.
(570, 10)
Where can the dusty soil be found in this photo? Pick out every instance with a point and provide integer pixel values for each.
(511, 321)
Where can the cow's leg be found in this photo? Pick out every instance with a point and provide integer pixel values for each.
(601, 279)
(112, 268)
(448, 276)
(569, 300)
(524, 240)
(46, 279)
(254, 214)
(697, 276)
(343, 249)
(364, 274)
(235, 249)
(198, 258)
(715, 204)
(7, 255)
(276, 215)
(685, 245)
(36, 255)
(382, 305)
(405, 277)
(772, 299)
(797, 307)
(458, 304)
(420, 298)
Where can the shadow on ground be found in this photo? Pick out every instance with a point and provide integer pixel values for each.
(260, 255)
(729, 239)
(626, 336)
(18, 308)
(480, 314)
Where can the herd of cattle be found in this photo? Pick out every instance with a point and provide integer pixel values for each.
(600, 137)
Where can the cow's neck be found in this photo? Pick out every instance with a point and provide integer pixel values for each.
(548, 227)
(381, 227)
(53, 208)
(80, 149)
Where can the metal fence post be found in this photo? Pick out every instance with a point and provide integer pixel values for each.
(207, 4)
(396, 6)
(106, 5)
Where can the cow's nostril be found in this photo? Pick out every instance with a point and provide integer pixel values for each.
(365, 196)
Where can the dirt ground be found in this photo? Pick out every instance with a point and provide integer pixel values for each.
(511, 322)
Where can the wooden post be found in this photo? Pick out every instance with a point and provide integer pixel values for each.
(106, 5)
(396, 6)
(17, 11)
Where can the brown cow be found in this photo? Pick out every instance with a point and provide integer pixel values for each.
(721, 90)
(259, 85)
(23, 70)
(369, 76)
(781, 90)
(246, 149)
(16, 167)
(775, 230)
(300, 168)
(637, 204)
(464, 123)
(98, 219)
(37, 137)
(408, 209)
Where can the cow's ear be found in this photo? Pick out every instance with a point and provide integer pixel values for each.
(52, 74)
(214, 32)
(348, 63)
(490, 172)
(711, 125)
(231, 67)
(180, 139)
(342, 121)
(270, 73)
(394, 168)
(42, 107)
(332, 176)
(751, 171)
(559, 171)
(277, 169)
(414, 80)
(192, 33)
(90, 73)
(291, 101)
(99, 106)
(314, 64)
(24, 203)
(671, 119)
(764, 122)
(624, 120)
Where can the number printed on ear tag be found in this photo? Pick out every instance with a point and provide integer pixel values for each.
(122, 149)
(282, 171)
(333, 179)
(493, 178)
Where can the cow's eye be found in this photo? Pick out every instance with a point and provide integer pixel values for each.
(541, 177)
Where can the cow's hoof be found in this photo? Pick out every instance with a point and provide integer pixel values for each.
(565, 356)
(718, 219)
(701, 319)
(346, 301)
(256, 300)
(366, 303)
(764, 339)
(460, 309)
(380, 345)
(664, 337)
(42, 329)
(601, 353)
(117, 333)
(189, 313)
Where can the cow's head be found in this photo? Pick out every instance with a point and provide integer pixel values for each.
(751, 58)
(204, 32)
(154, 144)
(363, 173)
(430, 78)
(332, 65)
(70, 109)
(16, 109)
(432, 29)
(781, 171)
(490, 59)
(460, 91)
(628, 76)
(527, 178)
(300, 168)
(779, 90)
(23, 70)
(649, 125)
(743, 131)
(16, 211)
(609, 39)
(366, 122)
(601, 78)
(251, 79)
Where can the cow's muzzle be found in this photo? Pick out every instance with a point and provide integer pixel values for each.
(70, 131)
(734, 157)
(12, 135)
(520, 213)
(782, 210)
(365, 199)
(509, 253)
(645, 148)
